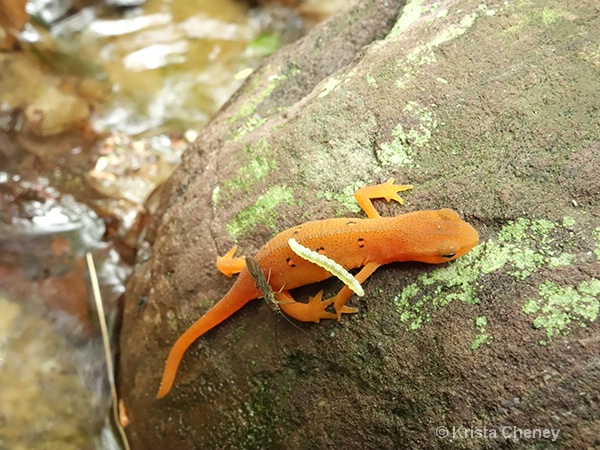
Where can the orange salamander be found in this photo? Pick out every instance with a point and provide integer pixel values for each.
(426, 236)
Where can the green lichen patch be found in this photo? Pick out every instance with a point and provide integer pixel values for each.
(258, 161)
(527, 246)
(410, 66)
(412, 11)
(411, 311)
(568, 222)
(438, 289)
(521, 248)
(251, 124)
(330, 84)
(344, 196)
(215, 196)
(371, 81)
(401, 151)
(397, 152)
(550, 15)
(564, 259)
(483, 337)
(262, 212)
(557, 307)
(590, 54)
(258, 97)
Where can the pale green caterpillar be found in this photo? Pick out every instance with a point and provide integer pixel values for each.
(328, 264)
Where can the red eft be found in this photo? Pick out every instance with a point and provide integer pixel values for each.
(432, 236)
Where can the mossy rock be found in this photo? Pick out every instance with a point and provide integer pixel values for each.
(487, 108)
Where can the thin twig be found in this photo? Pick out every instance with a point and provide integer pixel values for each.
(106, 344)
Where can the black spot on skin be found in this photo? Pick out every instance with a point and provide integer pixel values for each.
(321, 251)
(290, 262)
(297, 230)
(361, 242)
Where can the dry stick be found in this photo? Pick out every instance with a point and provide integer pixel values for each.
(106, 344)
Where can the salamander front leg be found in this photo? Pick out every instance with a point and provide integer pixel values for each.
(228, 265)
(387, 190)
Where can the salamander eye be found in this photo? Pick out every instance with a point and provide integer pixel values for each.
(448, 249)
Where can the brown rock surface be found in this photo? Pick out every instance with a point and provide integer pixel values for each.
(488, 108)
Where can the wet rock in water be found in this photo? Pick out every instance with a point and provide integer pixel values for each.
(48, 11)
(53, 380)
(44, 237)
(125, 3)
(44, 402)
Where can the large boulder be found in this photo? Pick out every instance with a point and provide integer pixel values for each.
(489, 108)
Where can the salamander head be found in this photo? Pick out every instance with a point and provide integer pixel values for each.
(446, 237)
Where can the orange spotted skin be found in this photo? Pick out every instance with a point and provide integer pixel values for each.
(432, 236)
(353, 243)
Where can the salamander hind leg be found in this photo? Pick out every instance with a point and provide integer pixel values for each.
(387, 190)
(313, 311)
(228, 265)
